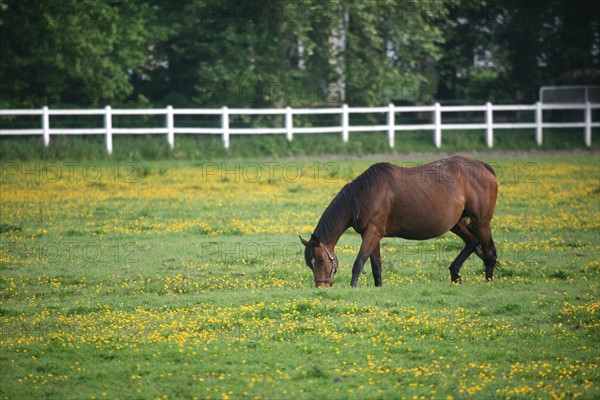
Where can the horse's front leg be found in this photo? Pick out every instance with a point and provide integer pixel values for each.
(370, 242)
(376, 265)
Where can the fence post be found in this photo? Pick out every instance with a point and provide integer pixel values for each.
(588, 124)
(170, 127)
(289, 123)
(108, 127)
(46, 125)
(437, 134)
(391, 123)
(538, 123)
(345, 123)
(225, 126)
(489, 120)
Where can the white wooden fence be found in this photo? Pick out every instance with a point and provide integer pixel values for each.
(170, 129)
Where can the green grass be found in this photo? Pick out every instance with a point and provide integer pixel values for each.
(210, 147)
(182, 279)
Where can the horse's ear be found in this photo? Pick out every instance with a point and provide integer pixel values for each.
(304, 242)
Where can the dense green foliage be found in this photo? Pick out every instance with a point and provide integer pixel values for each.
(193, 53)
(77, 53)
(520, 46)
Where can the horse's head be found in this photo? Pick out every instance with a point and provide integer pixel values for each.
(321, 260)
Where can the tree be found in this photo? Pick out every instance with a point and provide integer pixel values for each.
(271, 54)
(242, 54)
(528, 43)
(393, 47)
(264, 53)
(73, 52)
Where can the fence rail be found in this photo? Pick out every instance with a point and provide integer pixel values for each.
(344, 128)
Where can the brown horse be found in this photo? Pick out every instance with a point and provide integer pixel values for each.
(455, 194)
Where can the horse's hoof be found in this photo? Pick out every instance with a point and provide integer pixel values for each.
(489, 281)
(458, 280)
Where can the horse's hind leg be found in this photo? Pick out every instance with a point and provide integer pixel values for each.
(489, 258)
(461, 229)
(458, 262)
(488, 249)
(465, 231)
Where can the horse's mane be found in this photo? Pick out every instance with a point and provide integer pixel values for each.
(348, 201)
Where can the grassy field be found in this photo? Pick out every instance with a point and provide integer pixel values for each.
(183, 279)
(210, 147)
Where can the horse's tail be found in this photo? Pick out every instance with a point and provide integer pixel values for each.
(479, 253)
(479, 249)
(489, 168)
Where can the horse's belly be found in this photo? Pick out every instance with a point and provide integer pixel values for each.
(423, 226)
(418, 234)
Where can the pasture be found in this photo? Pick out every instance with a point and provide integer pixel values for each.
(182, 279)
